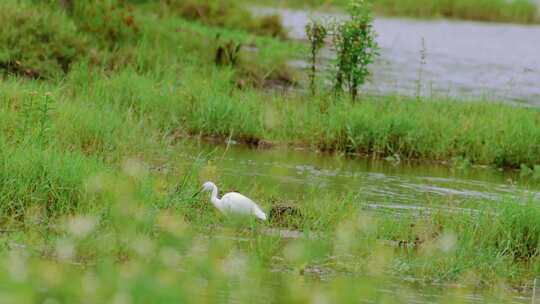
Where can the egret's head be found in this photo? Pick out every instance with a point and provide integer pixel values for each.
(207, 186)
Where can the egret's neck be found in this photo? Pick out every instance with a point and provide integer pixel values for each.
(214, 197)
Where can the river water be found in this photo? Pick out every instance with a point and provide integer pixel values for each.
(287, 175)
(469, 60)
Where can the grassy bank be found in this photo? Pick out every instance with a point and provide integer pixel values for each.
(479, 132)
(96, 199)
(519, 11)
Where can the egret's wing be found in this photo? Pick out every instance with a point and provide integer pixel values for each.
(239, 204)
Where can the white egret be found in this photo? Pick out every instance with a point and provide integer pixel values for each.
(233, 202)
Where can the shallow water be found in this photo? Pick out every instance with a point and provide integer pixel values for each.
(287, 175)
(463, 59)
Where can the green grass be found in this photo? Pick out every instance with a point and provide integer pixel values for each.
(516, 11)
(481, 132)
(96, 200)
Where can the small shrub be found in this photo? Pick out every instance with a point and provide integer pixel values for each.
(227, 52)
(356, 48)
(36, 41)
(316, 33)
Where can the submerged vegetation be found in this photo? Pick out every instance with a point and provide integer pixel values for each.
(96, 200)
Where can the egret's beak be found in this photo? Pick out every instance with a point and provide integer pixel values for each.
(197, 193)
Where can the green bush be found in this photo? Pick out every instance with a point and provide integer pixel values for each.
(110, 22)
(227, 14)
(356, 48)
(36, 41)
